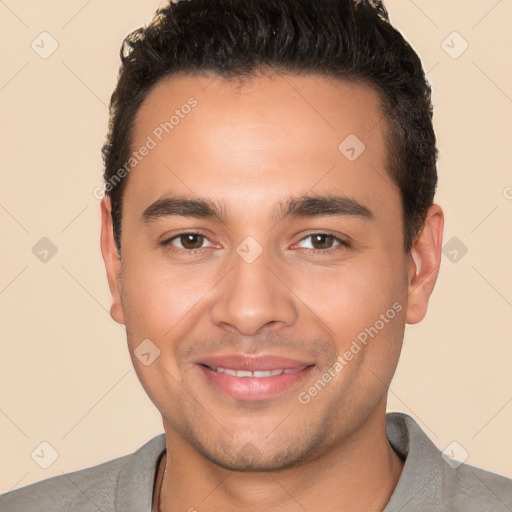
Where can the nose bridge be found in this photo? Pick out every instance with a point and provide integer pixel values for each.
(252, 295)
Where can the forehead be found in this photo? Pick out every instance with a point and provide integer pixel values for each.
(243, 141)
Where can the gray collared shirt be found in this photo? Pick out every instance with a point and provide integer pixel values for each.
(428, 482)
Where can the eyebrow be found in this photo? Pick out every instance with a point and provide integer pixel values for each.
(304, 206)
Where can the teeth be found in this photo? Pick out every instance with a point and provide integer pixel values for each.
(294, 370)
(240, 373)
(256, 373)
(267, 373)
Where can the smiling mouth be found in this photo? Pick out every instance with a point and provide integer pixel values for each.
(254, 385)
(256, 373)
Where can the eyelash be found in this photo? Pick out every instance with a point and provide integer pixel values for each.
(343, 244)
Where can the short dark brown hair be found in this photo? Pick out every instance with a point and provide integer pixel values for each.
(347, 39)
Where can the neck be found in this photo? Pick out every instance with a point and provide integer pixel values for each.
(358, 473)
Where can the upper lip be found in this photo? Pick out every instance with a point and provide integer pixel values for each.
(252, 362)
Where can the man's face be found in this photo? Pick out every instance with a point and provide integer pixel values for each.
(245, 289)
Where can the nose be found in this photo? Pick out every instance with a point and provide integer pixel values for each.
(254, 296)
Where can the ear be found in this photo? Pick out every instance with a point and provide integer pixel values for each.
(112, 262)
(423, 264)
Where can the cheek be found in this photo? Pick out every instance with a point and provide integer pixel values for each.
(156, 296)
(374, 316)
(352, 295)
(363, 306)
(160, 305)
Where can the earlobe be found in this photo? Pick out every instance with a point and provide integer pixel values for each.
(111, 260)
(423, 264)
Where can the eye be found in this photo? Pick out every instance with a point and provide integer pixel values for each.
(186, 242)
(324, 242)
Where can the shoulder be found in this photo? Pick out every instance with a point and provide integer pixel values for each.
(432, 481)
(479, 490)
(86, 490)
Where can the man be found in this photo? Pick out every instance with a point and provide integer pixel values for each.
(268, 230)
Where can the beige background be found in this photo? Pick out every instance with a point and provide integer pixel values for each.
(66, 376)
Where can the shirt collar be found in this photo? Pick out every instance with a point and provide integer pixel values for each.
(136, 480)
(426, 477)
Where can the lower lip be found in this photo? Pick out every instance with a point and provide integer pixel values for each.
(254, 389)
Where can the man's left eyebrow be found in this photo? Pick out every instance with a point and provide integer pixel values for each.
(323, 205)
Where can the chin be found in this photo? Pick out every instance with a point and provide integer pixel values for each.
(250, 458)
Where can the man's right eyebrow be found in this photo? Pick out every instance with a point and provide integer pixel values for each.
(182, 206)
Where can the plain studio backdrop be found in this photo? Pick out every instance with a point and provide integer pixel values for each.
(67, 385)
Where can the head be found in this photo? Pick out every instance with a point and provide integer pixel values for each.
(270, 170)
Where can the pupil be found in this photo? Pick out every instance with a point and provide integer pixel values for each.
(190, 238)
(317, 238)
